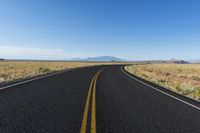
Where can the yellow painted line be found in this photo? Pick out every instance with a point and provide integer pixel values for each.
(85, 115)
(93, 108)
(93, 113)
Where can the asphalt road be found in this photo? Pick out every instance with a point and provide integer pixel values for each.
(101, 99)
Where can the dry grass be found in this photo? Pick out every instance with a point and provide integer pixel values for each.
(14, 70)
(182, 78)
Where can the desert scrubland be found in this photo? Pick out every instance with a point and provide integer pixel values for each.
(181, 78)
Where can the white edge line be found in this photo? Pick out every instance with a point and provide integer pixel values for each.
(172, 91)
(198, 108)
(40, 77)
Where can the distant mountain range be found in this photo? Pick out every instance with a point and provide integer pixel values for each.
(174, 61)
(194, 61)
(116, 59)
(98, 58)
(171, 61)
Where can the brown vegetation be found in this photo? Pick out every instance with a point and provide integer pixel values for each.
(182, 78)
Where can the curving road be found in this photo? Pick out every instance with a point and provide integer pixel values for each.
(101, 99)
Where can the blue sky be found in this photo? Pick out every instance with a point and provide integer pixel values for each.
(137, 29)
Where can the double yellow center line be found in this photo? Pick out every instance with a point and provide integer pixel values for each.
(92, 90)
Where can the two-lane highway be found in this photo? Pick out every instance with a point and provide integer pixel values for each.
(101, 99)
(125, 105)
(91, 93)
(54, 104)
